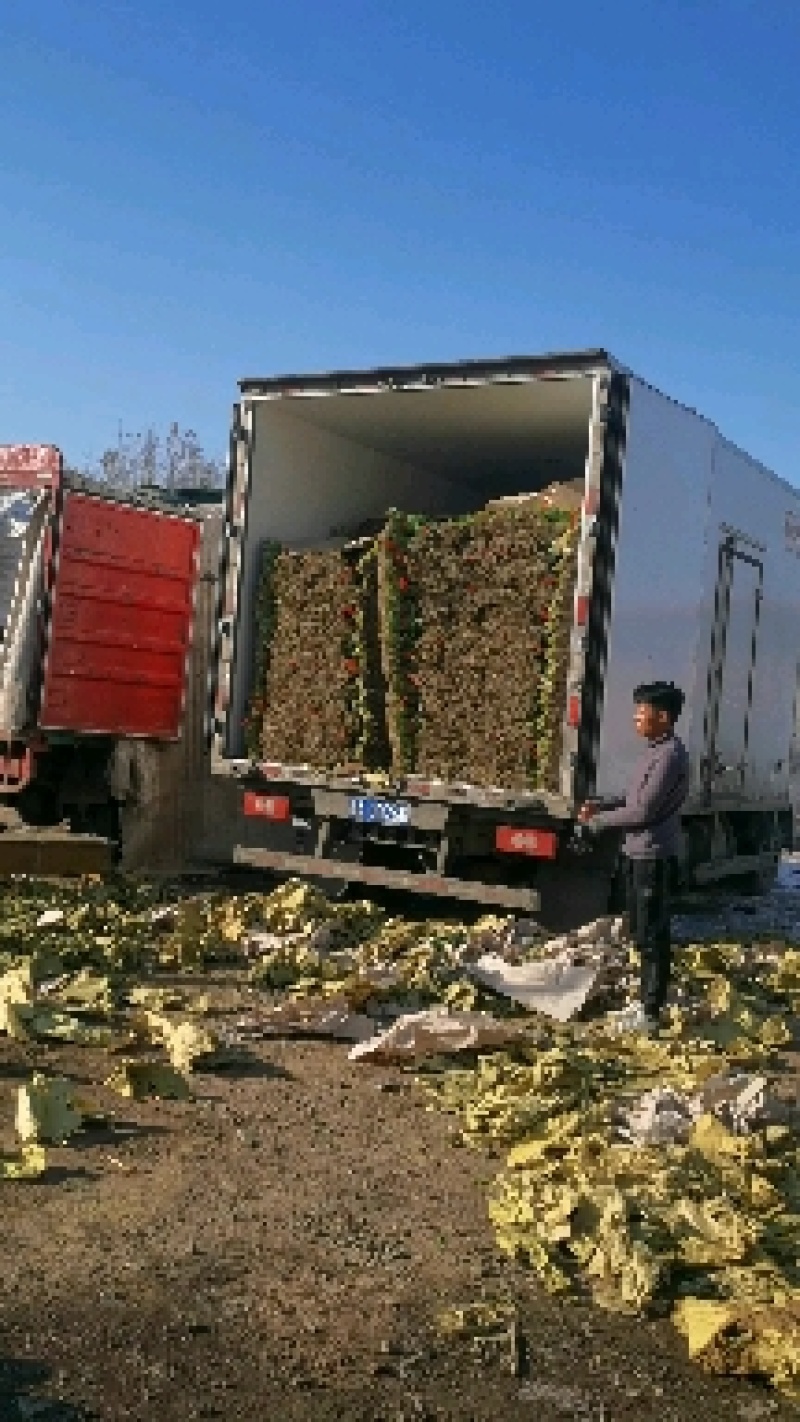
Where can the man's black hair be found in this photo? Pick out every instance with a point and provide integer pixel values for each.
(663, 695)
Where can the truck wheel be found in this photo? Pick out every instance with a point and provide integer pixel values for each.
(36, 805)
(102, 820)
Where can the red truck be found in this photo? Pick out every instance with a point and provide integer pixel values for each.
(96, 607)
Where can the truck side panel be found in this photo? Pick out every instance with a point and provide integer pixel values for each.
(754, 522)
(706, 592)
(120, 620)
(660, 605)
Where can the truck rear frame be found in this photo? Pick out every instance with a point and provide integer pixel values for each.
(109, 619)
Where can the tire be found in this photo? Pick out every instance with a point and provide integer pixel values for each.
(101, 820)
(37, 806)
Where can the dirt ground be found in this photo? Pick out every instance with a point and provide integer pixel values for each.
(277, 1249)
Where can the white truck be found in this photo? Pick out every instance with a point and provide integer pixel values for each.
(688, 569)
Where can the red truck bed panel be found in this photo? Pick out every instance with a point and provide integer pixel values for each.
(120, 621)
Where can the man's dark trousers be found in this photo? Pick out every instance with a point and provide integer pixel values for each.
(648, 885)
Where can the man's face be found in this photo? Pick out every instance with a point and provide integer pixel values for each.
(650, 722)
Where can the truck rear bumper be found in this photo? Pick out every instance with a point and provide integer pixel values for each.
(54, 852)
(310, 865)
(712, 872)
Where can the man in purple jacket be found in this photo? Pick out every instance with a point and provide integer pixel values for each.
(650, 813)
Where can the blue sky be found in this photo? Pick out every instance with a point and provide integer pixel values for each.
(195, 192)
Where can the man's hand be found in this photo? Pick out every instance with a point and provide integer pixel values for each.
(587, 812)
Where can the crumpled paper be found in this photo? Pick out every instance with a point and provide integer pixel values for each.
(51, 918)
(555, 987)
(666, 1116)
(565, 973)
(663, 1116)
(437, 1032)
(328, 1017)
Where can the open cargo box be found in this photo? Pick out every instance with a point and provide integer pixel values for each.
(305, 467)
(687, 570)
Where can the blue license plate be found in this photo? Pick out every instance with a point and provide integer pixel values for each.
(379, 812)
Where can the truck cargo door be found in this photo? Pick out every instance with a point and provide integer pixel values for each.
(732, 666)
(120, 623)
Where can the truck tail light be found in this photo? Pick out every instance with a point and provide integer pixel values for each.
(540, 844)
(17, 766)
(574, 711)
(267, 807)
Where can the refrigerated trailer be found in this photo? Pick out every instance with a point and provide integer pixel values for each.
(688, 570)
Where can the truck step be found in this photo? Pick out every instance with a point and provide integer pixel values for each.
(54, 853)
(310, 865)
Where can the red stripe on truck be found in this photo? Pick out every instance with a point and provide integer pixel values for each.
(541, 844)
(267, 807)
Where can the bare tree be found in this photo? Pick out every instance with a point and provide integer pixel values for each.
(176, 461)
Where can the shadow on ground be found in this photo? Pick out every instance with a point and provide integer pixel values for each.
(23, 1395)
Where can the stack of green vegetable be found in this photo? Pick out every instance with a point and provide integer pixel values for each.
(318, 689)
(551, 707)
(441, 647)
(401, 632)
(493, 597)
(307, 715)
(372, 751)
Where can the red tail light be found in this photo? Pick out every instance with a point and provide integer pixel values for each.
(581, 611)
(267, 807)
(540, 844)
